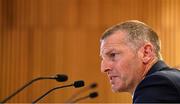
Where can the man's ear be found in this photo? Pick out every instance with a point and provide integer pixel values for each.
(146, 52)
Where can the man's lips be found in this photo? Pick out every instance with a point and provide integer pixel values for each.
(111, 77)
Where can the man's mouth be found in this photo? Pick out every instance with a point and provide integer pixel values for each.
(112, 77)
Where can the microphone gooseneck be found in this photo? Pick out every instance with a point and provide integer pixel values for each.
(91, 95)
(58, 77)
(76, 84)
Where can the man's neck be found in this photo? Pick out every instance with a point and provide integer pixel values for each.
(146, 70)
(148, 67)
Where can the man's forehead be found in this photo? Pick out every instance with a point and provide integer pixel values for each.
(114, 39)
(113, 42)
(108, 44)
(109, 47)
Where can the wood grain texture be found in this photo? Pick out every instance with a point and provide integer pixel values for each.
(45, 37)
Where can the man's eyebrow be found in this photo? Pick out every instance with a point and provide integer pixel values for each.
(106, 52)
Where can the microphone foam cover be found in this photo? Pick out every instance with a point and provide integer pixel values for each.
(61, 77)
(93, 85)
(79, 83)
(93, 94)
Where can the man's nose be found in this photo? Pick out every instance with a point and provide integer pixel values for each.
(105, 66)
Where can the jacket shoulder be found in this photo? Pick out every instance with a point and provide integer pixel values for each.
(160, 86)
(171, 74)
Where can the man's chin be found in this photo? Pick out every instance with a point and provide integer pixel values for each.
(116, 89)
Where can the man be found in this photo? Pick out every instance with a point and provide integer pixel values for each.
(131, 58)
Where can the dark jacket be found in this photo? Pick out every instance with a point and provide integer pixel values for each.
(161, 85)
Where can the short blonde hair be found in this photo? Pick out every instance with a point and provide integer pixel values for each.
(137, 33)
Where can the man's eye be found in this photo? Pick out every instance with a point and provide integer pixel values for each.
(112, 54)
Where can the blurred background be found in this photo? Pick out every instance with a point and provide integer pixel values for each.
(46, 37)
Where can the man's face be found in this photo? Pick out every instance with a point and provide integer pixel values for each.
(121, 63)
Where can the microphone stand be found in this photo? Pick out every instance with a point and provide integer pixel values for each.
(49, 92)
(23, 87)
(80, 99)
(76, 84)
(93, 85)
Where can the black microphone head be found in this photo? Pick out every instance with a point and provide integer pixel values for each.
(93, 94)
(79, 83)
(93, 85)
(61, 77)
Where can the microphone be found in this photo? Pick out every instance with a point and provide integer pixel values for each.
(58, 77)
(91, 86)
(76, 84)
(91, 95)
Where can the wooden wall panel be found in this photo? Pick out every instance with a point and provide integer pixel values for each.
(45, 37)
